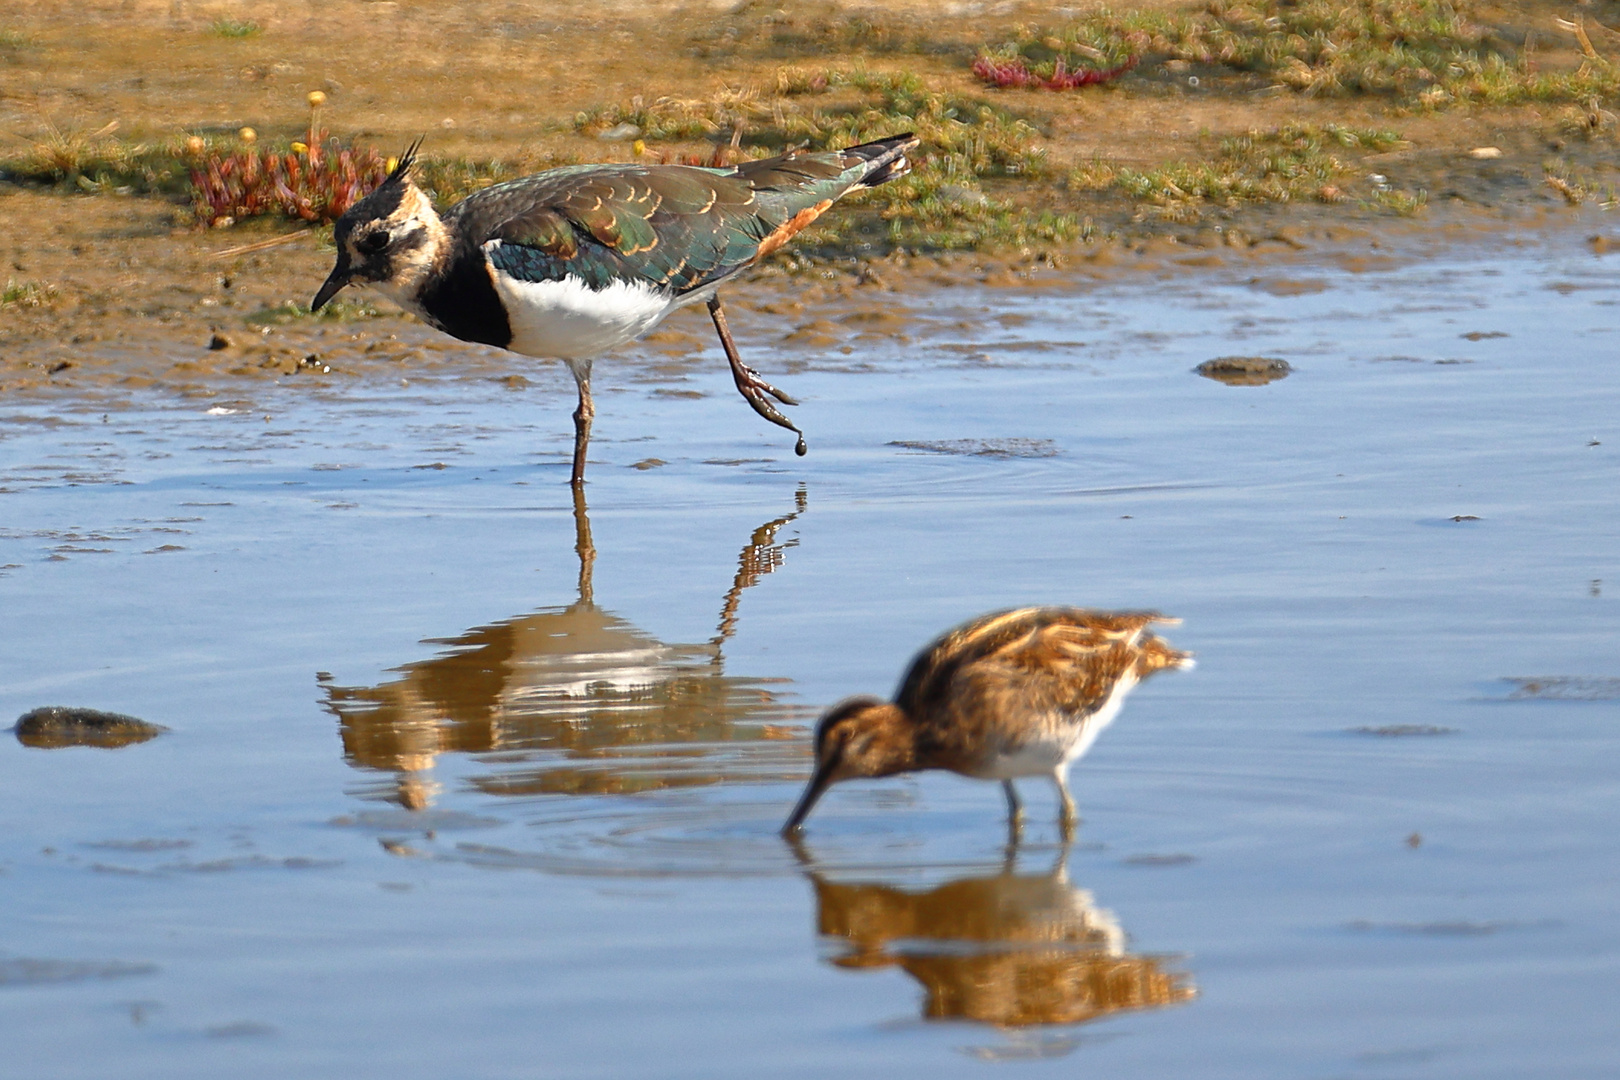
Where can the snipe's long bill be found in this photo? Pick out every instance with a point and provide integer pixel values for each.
(1007, 695)
(573, 262)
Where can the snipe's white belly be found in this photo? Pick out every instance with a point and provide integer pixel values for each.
(1059, 741)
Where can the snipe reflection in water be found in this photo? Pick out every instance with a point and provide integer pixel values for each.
(576, 700)
(1005, 948)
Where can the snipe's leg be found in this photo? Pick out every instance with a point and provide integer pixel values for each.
(1069, 818)
(582, 424)
(1015, 813)
(749, 384)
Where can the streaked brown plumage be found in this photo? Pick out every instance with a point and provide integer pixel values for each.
(1014, 693)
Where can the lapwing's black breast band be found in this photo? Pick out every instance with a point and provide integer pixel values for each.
(463, 302)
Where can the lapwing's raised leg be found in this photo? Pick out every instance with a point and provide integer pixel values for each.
(1069, 818)
(749, 384)
(582, 423)
(1015, 813)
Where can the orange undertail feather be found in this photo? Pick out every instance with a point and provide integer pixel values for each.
(792, 227)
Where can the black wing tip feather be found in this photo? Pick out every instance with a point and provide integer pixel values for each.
(886, 158)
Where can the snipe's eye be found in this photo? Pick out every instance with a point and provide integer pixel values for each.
(371, 242)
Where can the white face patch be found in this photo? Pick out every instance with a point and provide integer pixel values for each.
(569, 320)
(418, 243)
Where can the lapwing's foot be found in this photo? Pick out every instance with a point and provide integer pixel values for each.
(749, 384)
(753, 378)
(754, 389)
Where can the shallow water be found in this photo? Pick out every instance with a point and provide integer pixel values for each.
(465, 780)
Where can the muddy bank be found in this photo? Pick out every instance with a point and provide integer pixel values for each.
(137, 302)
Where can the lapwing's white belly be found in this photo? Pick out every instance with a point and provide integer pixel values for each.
(1057, 741)
(569, 320)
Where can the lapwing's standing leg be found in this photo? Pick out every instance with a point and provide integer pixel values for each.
(1069, 818)
(582, 418)
(1015, 812)
(583, 546)
(749, 384)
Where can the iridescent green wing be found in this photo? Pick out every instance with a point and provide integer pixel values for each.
(672, 227)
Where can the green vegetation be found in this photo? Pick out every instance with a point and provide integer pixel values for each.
(999, 165)
(1289, 164)
(342, 309)
(835, 107)
(808, 28)
(936, 209)
(941, 205)
(964, 135)
(1097, 49)
(235, 28)
(980, 180)
(1418, 52)
(1404, 203)
(1578, 185)
(97, 162)
(26, 294)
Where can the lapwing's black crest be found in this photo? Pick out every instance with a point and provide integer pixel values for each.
(383, 200)
(575, 261)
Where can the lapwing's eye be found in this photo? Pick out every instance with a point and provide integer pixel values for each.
(371, 242)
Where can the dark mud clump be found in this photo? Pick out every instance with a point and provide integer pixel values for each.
(1455, 928)
(55, 726)
(1177, 859)
(23, 971)
(1244, 370)
(1566, 688)
(1396, 731)
(1001, 448)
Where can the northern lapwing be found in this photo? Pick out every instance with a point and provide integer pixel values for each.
(1011, 694)
(572, 262)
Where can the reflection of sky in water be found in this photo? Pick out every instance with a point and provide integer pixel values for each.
(1372, 673)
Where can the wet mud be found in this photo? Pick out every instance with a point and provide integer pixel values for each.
(1244, 370)
(54, 727)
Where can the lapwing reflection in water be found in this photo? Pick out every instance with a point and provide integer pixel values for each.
(576, 700)
(1006, 948)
